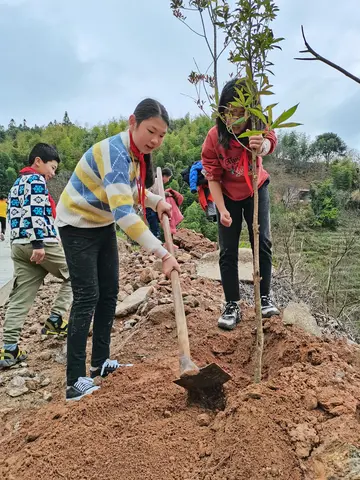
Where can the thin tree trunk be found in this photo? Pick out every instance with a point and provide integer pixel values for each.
(256, 274)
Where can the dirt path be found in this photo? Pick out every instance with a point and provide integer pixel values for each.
(302, 422)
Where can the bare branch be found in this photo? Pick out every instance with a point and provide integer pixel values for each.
(308, 59)
(325, 60)
(194, 31)
(205, 36)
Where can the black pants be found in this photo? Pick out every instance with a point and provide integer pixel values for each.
(153, 221)
(92, 258)
(229, 242)
(3, 224)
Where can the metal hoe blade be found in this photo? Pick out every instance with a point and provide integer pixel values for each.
(210, 376)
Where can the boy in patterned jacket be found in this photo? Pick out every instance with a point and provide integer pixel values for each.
(35, 251)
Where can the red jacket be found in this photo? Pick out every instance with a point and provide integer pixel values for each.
(227, 166)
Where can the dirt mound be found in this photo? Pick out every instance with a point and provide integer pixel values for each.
(193, 242)
(139, 424)
(302, 422)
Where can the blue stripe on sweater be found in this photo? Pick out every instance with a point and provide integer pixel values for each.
(120, 163)
(91, 162)
(87, 194)
(121, 212)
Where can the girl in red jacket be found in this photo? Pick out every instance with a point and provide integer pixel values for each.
(228, 169)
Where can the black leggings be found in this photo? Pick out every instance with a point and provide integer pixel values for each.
(3, 224)
(92, 258)
(229, 242)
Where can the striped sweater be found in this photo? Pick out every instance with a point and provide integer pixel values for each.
(103, 188)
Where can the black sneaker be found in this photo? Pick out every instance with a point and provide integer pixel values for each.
(83, 386)
(230, 317)
(109, 366)
(268, 309)
(55, 325)
(8, 358)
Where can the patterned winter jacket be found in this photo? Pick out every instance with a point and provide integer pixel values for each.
(30, 213)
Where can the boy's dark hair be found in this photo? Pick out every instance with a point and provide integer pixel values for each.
(166, 172)
(227, 95)
(44, 151)
(2, 196)
(146, 109)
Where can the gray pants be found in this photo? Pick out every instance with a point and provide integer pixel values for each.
(28, 278)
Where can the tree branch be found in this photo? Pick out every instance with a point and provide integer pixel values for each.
(194, 31)
(324, 60)
(205, 36)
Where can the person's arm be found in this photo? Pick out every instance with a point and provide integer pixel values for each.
(263, 145)
(35, 207)
(213, 173)
(121, 202)
(193, 176)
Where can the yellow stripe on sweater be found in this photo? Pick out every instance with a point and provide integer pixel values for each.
(120, 200)
(136, 229)
(82, 212)
(98, 159)
(97, 190)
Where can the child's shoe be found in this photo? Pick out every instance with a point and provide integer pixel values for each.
(109, 366)
(10, 357)
(55, 325)
(83, 386)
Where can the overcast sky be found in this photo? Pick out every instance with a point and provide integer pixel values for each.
(98, 58)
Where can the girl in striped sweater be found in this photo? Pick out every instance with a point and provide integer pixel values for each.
(109, 179)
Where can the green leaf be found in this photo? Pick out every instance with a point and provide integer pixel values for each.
(270, 107)
(266, 92)
(238, 121)
(258, 114)
(285, 116)
(288, 125)
(251, 133)
(237, 59)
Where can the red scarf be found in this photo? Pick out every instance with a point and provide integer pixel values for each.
(140, 182)
(27, 170)
(243, 162)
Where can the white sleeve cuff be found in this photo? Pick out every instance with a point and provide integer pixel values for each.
(265, 147)
(160, 252)
(151, 200)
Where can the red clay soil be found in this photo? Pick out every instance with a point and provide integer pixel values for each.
(302, 422)
(193, 242)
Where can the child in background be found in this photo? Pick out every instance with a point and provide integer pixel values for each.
(35, 251)
(3, 208)
(151, 216)
(227, 164)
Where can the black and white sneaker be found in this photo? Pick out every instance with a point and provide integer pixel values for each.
(268, 309)
(109, 366)
(83, 386)
(230, 317)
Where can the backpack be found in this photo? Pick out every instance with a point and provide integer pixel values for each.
(185, 174)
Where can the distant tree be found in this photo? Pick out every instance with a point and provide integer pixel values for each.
(324, 204)
(66, 120)
(345, 175)
(12, 129)
(329, 145)
(293, 151)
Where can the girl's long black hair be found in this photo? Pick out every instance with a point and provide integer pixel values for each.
(228, 95)
(146, 109)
